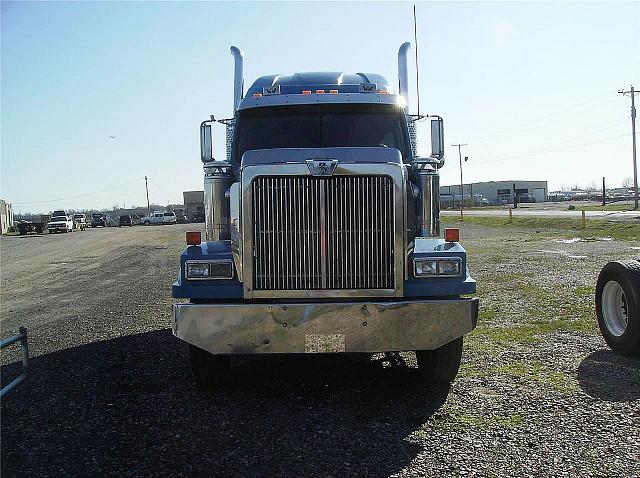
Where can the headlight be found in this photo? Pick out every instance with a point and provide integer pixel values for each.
(222, 269)
(425, 267)
(449, 267)
(197, 270)
(440, 267)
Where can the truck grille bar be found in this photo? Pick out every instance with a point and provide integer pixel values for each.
(313, 233)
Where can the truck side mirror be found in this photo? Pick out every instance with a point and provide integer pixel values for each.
(437, 138)
(206, 143)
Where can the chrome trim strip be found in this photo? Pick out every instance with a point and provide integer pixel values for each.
(295, 99)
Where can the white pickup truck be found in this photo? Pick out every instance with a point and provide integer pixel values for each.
(159, 217)
(60, 223)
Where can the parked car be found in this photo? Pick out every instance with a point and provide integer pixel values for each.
(80, 221)
(181, 219)
(159, 217)
(99, 219)
(125, 220)
(60, 223)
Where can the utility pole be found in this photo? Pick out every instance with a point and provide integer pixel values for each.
(604, 193)
(147, 188)
(632, 93)
(459, 146)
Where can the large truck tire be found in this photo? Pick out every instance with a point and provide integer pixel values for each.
(618, 306)
(440, 365)
(209, 371)
(147, 223)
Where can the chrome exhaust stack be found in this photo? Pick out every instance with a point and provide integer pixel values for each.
(427, 176)
(238, 79)
(403, 73)
(428, 207)
(218, 178)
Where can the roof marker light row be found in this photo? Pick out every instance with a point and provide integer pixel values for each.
(363, 88)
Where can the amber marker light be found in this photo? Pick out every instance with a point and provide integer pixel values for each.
(333, 92)
(306, 92)
(452, 234)
(193, 238)
(319, 92)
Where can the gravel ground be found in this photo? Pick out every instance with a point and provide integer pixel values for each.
(110, 391)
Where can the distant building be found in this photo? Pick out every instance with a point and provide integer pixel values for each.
(193, 204)
(6, 216)
(497, 192)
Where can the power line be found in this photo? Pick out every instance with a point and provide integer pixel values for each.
(550, 114)
(79, 195)
(565, 142)
(535, 153)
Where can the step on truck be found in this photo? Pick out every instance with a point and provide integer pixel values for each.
(322, 230)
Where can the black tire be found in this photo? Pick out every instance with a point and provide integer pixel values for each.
(209, 371)
(619, 280)
(440, 365)
(147, 223)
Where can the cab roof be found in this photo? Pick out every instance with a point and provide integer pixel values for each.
(319, 87)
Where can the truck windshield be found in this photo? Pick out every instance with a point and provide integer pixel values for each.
(321, 126)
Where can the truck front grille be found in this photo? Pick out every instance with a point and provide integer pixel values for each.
(323, 233)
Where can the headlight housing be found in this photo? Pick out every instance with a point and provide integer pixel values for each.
(437, 267)
(213, 269)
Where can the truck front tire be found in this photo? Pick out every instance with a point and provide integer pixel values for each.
(209, 371)
(440, 365)
(618, 306)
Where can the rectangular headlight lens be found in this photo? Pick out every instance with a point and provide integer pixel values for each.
(449, 267)
(425, 267)
(197, 270)
(221, 270)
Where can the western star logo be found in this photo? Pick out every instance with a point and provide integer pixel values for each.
(322, 167)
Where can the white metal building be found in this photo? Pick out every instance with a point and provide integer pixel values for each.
(6, 216)
(499, 192)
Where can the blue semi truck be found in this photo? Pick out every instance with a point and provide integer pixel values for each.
(323, 231)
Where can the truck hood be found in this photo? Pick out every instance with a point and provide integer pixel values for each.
(259, 157)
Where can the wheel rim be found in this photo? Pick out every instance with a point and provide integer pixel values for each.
(614, 308)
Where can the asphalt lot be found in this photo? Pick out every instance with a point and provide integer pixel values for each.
(110, 391)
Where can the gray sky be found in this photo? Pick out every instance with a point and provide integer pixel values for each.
(530, 86)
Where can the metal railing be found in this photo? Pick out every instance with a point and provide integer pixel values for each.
(22, 338)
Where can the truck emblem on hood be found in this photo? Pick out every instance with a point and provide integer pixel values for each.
(322, 167)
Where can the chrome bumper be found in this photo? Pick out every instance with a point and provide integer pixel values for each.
(325, 327)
